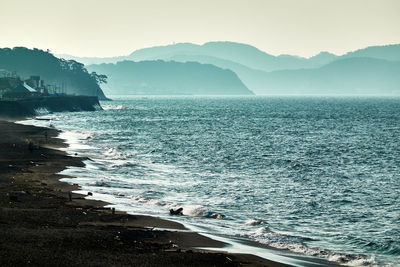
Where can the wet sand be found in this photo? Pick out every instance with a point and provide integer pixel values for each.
(40, 225)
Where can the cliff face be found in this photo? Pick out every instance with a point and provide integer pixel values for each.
(31, 106)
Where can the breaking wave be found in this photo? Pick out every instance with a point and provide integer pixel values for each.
(296, 244)
(114, 107)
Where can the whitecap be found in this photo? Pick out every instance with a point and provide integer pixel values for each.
(42, 111)
(253, 222)
(114, 107)
(194, 210)
(112, 153)
(103, 182)
(295, 244)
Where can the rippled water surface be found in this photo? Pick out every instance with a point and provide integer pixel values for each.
(319, 176)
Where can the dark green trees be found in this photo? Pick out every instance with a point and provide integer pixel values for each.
(69, 75)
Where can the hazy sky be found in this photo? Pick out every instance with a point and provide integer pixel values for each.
(117, 27)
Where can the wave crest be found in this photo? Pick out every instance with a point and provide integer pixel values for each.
(296, 244)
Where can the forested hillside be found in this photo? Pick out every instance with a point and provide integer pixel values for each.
(70, 74)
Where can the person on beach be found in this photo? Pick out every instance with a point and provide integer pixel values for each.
(46, 135)
(30, 146)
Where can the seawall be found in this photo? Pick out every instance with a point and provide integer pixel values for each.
(30, 106)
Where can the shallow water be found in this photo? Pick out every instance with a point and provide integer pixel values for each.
(319, 176)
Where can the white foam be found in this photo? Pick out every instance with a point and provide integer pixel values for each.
(295, 244)
(121, 163)
(194, 210)
(363, 262)
(34, 122)
(156, 202)
(101, 182)
(42, 111)
(112, 153)
(141, 199)
(253, 222)
(114, 107)
(74, 140)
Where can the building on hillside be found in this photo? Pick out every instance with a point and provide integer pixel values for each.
(34, 81)
(23, 88)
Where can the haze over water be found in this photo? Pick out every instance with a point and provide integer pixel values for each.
(321, 174)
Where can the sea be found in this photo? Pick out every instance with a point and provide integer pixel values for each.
(316, 176)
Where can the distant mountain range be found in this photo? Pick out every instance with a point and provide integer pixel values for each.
(263, 73)
(243, 54)
(169, 78)
(344, 76)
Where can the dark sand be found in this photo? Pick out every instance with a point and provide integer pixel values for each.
(40, 226)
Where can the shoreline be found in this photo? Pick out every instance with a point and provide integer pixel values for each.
(36, 195)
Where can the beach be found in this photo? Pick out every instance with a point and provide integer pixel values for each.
(40, 225)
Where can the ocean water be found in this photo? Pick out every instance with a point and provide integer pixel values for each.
(318, 176)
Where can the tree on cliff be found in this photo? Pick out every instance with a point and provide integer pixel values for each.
(100, 78)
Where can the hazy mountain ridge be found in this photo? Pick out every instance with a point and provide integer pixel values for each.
(323, 58)
(243, 54)
(239, 53)
(254, 66)
(360, 75)
(162, 78)
(344, 76)
(387, 52)
(92, 60)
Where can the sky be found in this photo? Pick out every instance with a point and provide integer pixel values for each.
(105, 28)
